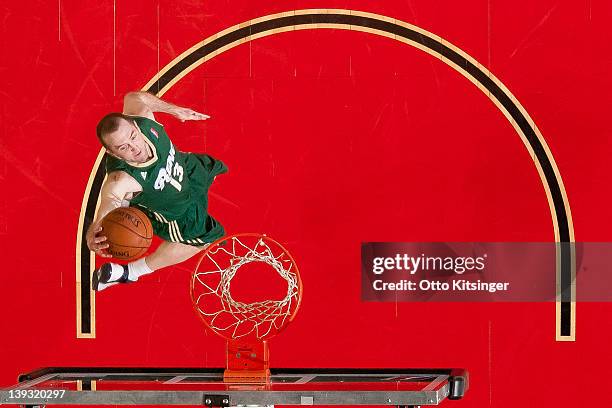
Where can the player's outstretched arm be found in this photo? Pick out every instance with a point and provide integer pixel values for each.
(117, 189)
(145, 104)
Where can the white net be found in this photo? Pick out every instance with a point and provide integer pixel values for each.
(234, 319)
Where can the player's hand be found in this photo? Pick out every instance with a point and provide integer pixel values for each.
(184, 114)
(96, 241)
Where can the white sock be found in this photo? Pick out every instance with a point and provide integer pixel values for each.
(138, 268)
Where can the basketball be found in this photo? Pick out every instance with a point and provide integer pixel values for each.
(128, 233)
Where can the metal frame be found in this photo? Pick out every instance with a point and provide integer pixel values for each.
(286, 387)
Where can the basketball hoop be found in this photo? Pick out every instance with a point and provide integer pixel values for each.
(245, 324)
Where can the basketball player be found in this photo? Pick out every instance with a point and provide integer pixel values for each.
(145, 170)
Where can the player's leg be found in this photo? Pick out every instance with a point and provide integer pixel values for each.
(171, 253)
(167, 254)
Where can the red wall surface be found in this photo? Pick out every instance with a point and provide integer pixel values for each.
(332, 138)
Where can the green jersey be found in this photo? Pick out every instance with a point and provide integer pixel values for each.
(174, 187)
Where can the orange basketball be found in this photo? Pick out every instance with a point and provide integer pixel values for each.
(128, 233)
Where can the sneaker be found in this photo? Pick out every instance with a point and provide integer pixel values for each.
(101, 278)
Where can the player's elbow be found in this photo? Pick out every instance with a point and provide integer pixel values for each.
(133, 96)
(137, 103)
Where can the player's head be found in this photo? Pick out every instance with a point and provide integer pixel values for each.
(122, 138)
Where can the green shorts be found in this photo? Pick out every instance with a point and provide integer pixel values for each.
(195, 226)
